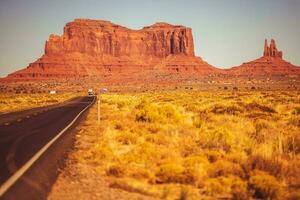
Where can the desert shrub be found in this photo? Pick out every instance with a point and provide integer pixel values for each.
(220, 138)
(170, 112)
(121, 104)
(274, 166)
(150, 112)
(154, 128)
(256, 106)
(293, 173)
(115, 170)
(198, 122)
(196, 169)
(225, 168)
(223, 109)
(147, 112)
(239, 157)
(292, 143)
(126, 138)
(262, 129)
(221, 186)
(214, 187)
(295, 121)
(171, 173)
(239, 190)
(265, 186)
(119, 126)
(296, 111)
(157, 139)
(214, 155)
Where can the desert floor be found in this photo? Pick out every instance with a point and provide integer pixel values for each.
(186, 145)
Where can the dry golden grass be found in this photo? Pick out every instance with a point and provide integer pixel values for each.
(15, 102)
(193, 145)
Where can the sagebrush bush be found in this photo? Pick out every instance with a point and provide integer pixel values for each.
(239, 190)
(115, 170)
(171, 173)
(274, 166)
(220, 138)
(225, 168)
(196, 168)
(226, 109)
(258, 107)
(265, 186)
(151, 112)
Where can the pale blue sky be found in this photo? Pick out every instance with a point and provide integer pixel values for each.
(226, 32)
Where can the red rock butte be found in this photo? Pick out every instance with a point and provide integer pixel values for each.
(93, 48)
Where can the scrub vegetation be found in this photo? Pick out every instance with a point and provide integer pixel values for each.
(15, 102)
(197, 145)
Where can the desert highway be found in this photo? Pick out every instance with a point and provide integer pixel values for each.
(32, 144)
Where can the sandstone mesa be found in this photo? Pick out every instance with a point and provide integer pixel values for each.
(92, 48)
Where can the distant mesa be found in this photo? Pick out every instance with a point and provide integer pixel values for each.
(95, 48)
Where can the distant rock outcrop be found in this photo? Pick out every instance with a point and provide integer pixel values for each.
(271, 51)
(270, 64)
(96, 47)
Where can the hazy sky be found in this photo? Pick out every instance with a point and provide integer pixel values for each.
(226, 32)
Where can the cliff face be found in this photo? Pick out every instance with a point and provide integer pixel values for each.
(95, 47)
(101, 37)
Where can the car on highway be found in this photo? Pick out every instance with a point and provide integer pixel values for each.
(91, 92)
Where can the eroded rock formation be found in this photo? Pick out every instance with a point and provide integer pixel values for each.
(270, 64)
(271, 51)
(95, 37)
(96, 47)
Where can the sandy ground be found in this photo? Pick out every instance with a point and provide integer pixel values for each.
(79, 181)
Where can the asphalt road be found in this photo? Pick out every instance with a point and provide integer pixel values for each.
(23, 134)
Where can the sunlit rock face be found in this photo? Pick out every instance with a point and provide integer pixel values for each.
(95, 47)
(102, 37)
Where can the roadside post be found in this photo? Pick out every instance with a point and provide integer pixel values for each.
(99, 110)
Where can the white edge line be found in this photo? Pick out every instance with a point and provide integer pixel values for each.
(5, 186)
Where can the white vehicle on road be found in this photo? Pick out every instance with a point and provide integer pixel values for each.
(90, 92)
